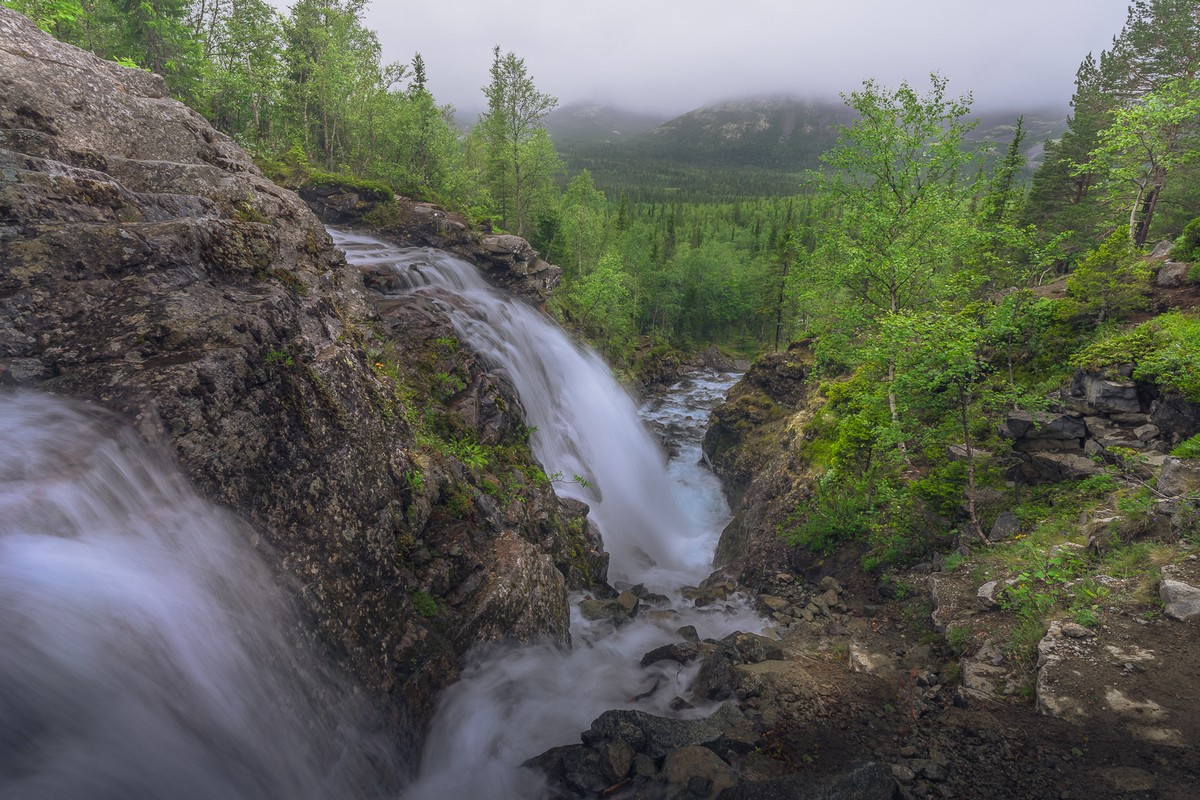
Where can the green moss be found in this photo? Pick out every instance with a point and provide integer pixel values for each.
(424, 603)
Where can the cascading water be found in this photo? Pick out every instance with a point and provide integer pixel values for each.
(145, 651)
(659, 521)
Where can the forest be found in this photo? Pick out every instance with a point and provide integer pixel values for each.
(935, 287)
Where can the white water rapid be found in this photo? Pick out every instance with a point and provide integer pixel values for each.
(660, 522)
(145, 651)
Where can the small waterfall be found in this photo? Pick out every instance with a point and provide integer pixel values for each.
(587, 425)
(660, 523)
(145, 651)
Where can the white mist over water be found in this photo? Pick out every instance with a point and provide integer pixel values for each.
(145, 651)
(660, 523)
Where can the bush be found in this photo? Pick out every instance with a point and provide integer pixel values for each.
(1111, 281)
(1187, 246)
(1188, 448)
(1165, 351)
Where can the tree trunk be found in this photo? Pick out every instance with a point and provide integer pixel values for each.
(972, 519)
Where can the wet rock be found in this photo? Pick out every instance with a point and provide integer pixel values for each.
(148, 266)
(575, 767)
(715, 680)
(750, 648)
(1181, 601)
(688, 633)
(773, 603)
(696, 772)
(657, 736)
(680, 653)
(605, 610)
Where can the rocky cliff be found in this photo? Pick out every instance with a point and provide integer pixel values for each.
(749, 445)
(148, 266)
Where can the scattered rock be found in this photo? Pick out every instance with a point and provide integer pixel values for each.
(1181, 601)
(696, 772)
(1179, 477)
(1006, 526)
(1172, 274)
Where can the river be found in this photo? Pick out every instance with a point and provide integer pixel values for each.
(660, 520)
(147, 652)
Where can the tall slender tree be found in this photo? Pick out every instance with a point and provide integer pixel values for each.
(520, 161)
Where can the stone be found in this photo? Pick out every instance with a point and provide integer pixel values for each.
(1181, 601)
(830, 582)
(750, 648)
(1006, 526)
(1073, 630)
(1056, 467)
(1042, 425)
(866, 661)
(1179, 477)
(629, 601)
(1176, 417)
(604, 610)
(988, 595)
(688, 633)
(1145, 433)
(1172, 274)
(680, 653)
(656, 736)
(577, 767)
(1106, 395)
(698, 770)
(772, 602)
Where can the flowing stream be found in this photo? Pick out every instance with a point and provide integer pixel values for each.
(660, 522)
(145, 650)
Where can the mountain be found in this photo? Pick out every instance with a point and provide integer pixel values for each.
(778, 132)
(751, 146)
(597, 124)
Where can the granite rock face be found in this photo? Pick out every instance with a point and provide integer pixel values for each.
(148, 266)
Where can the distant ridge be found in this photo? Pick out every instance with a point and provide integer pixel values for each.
(749, 146)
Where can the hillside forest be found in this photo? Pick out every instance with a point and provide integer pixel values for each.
(932, 282)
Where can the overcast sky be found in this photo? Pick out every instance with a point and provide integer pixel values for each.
(671, 56)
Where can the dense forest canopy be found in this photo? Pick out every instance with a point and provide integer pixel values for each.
(913, 258)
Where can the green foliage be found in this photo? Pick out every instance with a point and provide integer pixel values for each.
(1111, 281)
(424, 603)
(1164, 350)
(519, 160)
(1187, 246)
(958, 639)
(1188, 448)
(840, 510)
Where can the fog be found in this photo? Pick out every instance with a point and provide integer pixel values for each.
(668, 56)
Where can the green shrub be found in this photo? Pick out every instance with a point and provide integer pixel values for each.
(1165, 351)
(1188, 448)
(838, 511)
(1187, 246)
(1111, 281)
(424, 603)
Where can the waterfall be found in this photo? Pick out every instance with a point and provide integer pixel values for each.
(145, 650)
(659, 521)
(587, 425)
